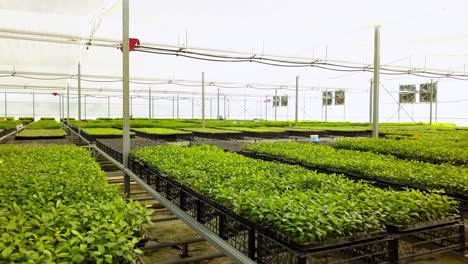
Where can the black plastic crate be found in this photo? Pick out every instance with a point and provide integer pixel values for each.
(428, 241)
(373, 251)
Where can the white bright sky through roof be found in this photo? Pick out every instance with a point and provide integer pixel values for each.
(413, 33)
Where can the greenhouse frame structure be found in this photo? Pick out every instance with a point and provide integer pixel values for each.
(124, 164)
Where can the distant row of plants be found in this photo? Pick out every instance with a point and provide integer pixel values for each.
(257, 129)
(41, 133)
(56, 207)
(446, 177)
(104, 131)
(44, 124)
(306, 206)
(162, 131)
(436, 152)
(209, 130)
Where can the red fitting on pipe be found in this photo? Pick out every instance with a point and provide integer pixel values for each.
(132, 43)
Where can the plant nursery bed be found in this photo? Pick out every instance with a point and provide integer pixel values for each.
(327, 133)
(267, 246)
(7, 131)
(374, 180)
(394, 229)
(167, 137)
(95, 137)
(238, 135)
(284, 134)
(38, 137)
(260, 244)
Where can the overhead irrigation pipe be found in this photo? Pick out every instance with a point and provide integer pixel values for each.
(99, 91)
(47, 76)
(322, 64)
(236, 56)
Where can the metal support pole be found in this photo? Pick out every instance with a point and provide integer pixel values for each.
(435, 117)
(149, 102)
(5, 105)
(276, 106)
(202, 101)
(60, 106)
(399, 107)
(211, 108)
(217, 113)
(326, 106)
(85, 107)
(68, 104)
(108, 106)
(173, 107)
(224, 107)
(304, 114)
(297, 101)
(192, 106)
(430, 104)
(375, 112)
(177, 106)
(34, 107)
(245, 107)
(266, 107)
(126, 92)
(79, 98)
(63, 106)
(370, 99)
(344, 111)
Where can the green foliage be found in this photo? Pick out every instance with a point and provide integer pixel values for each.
(257, 129)
(7, 124)
(409, 149)
(210, 130)
(94, 124)
(104, 131)
(162, 131)
(47, 118)
(308, 207)
(442, 177)
(56, 207)
(44, 124)
(26, 118)
(43, 133)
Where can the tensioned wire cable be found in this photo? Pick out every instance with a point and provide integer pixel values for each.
(284, 63)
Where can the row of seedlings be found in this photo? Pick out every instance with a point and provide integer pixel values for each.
(387, 171)
(278, 213)
(56, 207)
(384, 169)
(45, 128)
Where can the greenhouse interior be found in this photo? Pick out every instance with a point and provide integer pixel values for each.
(218, 132)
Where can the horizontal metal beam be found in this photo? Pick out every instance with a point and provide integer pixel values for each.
(76, 39)
(212, 238)
(160, 81)
(104, 91)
